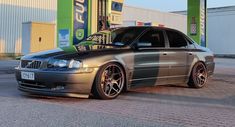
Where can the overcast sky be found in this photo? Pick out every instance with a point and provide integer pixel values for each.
(174, 5)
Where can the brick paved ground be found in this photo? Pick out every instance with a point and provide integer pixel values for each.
(173, 106)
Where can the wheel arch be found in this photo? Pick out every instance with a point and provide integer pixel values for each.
(191, 81)
(193, 65)
(125, 71)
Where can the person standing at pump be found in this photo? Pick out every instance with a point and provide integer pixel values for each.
(104, 23)
(108, 25)
(101, 23)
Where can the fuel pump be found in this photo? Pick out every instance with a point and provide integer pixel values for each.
(77, 19)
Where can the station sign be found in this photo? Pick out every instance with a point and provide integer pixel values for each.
(197, 15)
(80, 21)
(203, 22)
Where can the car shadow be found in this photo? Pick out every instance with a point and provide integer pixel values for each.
(176, 86)
(168, 96)
(52, 99)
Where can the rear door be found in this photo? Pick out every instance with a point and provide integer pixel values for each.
(150, 59)
(178, 57)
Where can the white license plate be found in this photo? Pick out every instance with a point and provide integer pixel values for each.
(27, 75)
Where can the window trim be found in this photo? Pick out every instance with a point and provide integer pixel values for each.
(190, 42)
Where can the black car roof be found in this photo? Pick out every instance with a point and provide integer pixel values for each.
(157, 27)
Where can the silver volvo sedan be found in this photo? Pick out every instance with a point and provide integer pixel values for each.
(110, 62)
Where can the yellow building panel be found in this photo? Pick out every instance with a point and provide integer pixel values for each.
(94, 14)
(42, 37)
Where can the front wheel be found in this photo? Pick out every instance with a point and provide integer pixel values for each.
(109, 81)
(198, 76)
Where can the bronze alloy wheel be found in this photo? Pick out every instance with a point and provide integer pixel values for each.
(110, 81)
(198, 76)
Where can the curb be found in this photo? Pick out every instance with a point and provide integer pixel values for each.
(225, 56)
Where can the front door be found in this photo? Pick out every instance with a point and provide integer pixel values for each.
(150, 59)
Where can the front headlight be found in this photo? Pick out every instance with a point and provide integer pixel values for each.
(71, 64)
(75, 64)
(61, 63)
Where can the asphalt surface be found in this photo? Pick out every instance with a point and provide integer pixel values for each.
(7, 66)
(161, 106)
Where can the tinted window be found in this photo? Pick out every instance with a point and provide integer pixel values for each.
(126, 35)
(152, 38)
(176, 40)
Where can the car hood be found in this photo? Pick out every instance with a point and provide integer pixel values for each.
(45, 54)
(71, 54)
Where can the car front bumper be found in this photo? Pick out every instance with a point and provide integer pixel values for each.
(210, 68)
(54, 83)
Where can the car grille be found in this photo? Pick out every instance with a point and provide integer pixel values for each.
(31, 64)
(32, 84)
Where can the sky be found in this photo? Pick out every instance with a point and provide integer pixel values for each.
(174, 5)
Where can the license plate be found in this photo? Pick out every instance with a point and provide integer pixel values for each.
(27, 75)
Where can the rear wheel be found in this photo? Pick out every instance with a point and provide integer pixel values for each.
(109, 81)
(198, 76)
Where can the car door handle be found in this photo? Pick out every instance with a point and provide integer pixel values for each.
(164, 53)
(190, 53)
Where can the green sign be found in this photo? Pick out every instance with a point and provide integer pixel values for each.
(80, 24)
(70, 31)
(197, 21)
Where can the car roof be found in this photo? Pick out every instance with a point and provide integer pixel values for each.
(140, 27)
(157, 27)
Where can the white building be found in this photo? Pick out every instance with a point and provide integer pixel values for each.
(221, 26)
(221, 30)
(14, 12)
(171, 20)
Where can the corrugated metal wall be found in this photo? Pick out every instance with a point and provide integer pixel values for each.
(221, 30)
(14, 12)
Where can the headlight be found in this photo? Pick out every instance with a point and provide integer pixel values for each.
(75, 64)
(64, 64)
(61, 63)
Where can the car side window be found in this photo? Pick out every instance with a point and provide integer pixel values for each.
(152, 38)
(176, 40)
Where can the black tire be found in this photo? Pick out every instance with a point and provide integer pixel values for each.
(109, 82)
(198, 77)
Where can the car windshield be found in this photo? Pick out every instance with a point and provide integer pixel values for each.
(117, 37)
